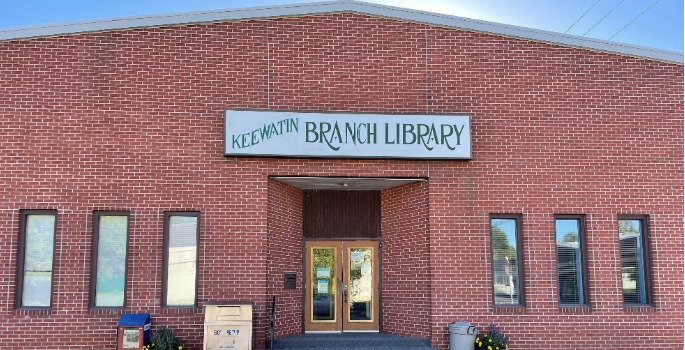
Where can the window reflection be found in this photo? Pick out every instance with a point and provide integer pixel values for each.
(111, 261)
(633, 277)
(38, 256)
(323, 288)
(569, 261)
(182, 260)
(361, 284)
(505, 261)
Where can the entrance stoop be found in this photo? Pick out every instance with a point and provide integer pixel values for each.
(351, 341)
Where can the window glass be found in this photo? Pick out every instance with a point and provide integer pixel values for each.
(324, 285)
(38, 257)
(570, 261)
(360, 278)
(111, 260)
(181, 260)
(633, 261)
(506, 264)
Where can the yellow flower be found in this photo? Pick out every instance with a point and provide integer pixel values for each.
(490, 340)
(180, 347)
(489, 347)
(477, 340)
(480, 344)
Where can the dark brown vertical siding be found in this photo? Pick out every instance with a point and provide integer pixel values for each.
(341, 214)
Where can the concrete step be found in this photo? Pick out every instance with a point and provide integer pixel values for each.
(350, 341)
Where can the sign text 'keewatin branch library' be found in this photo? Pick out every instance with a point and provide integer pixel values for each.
(332, 135)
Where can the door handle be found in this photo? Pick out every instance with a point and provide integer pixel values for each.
(343, 290)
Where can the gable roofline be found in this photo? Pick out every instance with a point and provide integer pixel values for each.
(340, 6)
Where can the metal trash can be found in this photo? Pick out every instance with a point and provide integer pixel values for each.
(228, 326)
(462, 336)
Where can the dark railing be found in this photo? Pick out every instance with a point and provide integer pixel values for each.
(272, 322)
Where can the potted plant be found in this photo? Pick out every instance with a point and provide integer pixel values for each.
(163, 339)
(494, 339)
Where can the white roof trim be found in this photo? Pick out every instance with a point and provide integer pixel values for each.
(341, 6)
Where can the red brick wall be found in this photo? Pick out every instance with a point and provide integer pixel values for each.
(557, 131)
(132, 120)
(406, 273)
(285, 255)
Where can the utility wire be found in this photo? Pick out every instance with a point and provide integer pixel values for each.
(634, 19)
(581, 17)
(605, 16)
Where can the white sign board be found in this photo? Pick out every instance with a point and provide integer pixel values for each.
(336, 135)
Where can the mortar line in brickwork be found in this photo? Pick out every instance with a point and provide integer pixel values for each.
(653, 247)
(616, 260)
(268, 67)
(10, 302)
(129, 260)
(86, 272)
(200, 265)
(488, 266)
(157, 306)
(425, 55)
(596, 256)
(59, 227)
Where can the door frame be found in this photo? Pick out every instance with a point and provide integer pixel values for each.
(379, 280)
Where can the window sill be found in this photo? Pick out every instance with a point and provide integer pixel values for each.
(575, 309)
(180, 310)
(106, 310)
(509, 309)
(638, 308)
(32, 311)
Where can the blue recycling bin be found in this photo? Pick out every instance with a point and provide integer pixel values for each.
(133, 331)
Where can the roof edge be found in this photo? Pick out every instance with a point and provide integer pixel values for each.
(323, 7)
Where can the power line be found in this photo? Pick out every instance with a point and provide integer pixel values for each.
(605, 16)
(581, 17)
(634, 19)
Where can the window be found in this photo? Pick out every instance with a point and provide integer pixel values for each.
(35, 259)
(507, 260)
(571, 269)
(108, 269)
(632, 235)
(181, 236)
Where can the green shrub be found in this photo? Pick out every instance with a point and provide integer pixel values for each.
(164, 339)
(494, 339)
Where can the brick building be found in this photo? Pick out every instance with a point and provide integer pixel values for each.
(411, 169)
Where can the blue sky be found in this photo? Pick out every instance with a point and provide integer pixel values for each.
(661, 26)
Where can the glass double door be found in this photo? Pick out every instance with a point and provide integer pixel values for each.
(341, 292)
